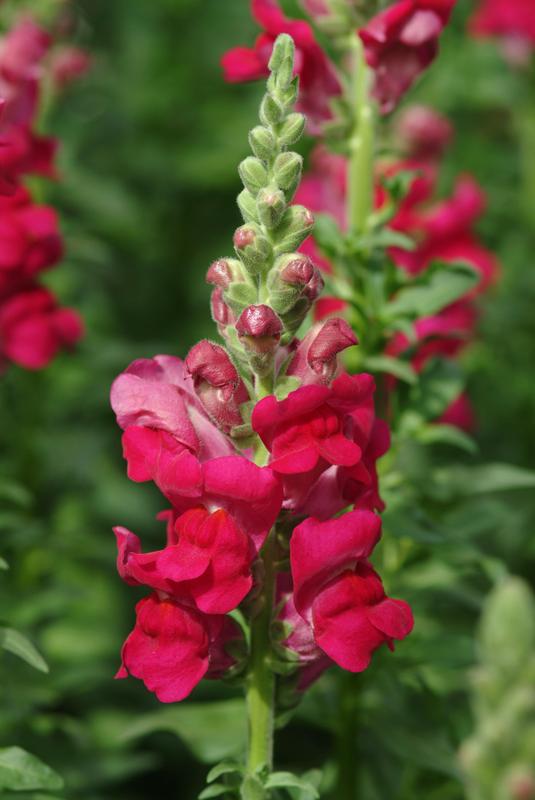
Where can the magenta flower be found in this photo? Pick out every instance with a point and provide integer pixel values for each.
(313, 429)
(400, 42)
(424, 133)
(207, 560)
(318, 81)
(33, 328)
(509, 19)
(173, 646)
(338, 593)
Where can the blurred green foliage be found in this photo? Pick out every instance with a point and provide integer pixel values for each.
(150, 144)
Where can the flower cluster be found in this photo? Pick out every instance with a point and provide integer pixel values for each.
(442, 231)
(257, 444)
(33, 327)
(399, 44)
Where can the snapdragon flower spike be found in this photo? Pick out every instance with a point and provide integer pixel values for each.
(339, 594)
(400, 43)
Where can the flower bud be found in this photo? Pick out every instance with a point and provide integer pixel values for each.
(253, 174)
(283, 49)
(271, 111)
(293, 277)
(221, 313)
(296, 224)
(316, 357)
(259, 328)
(217, 383)
(292, 129)
(287, 171)
(521, 784)
(262, 142)
(247, 206)
(223, 272)
(424, 132)
(252, 247)
(271, 205)
(296, 269)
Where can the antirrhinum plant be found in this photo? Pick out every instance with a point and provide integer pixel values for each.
(266, 450)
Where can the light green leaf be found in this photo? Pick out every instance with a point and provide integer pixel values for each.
(287, 780)
(20, 646)
(252, 789)
(212, 731)
(440, 384)
(22, 772)
(215, 790)
(434, 290)
(3, 563)
(447, 434)
(485, 478)
(393, 366)
(224, 768)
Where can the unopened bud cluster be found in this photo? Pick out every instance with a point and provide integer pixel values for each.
(262, 295)
(499, 759)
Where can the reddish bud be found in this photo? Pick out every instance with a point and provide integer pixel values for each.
(314, 287)
(221, 313)
(315, 359)
(219, 273)
(259, 328)
(243, 237)
(522, 786)
(298, 271)
(217, 383)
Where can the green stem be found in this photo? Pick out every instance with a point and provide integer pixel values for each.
(261, 680)
(360, 178)
(346, 783)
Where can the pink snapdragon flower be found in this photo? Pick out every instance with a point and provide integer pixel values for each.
(318, 80)
(339, 594)
(317, 428)
(512, 21)
(207, 560)
(173, 646)
(400, 43)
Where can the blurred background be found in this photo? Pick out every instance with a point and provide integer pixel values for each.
(150, 143)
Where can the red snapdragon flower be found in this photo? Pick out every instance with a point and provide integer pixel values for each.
(400, 42)
(316, 428)
(339, 594)
(509, 19)
(207, 560)
(33, 328)
(318, 81)
(173, 646)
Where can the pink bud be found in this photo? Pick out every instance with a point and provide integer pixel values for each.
(219, 274)
(243, 237)
(315, 360)
(522, 786)
(217, 383)
(314, 287)
(259, 328)
(68, 64)
(424, 132)
(298, 271)
(221, 313)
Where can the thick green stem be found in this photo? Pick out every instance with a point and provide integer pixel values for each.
(261, 679)
(360, 177)
(348, 692)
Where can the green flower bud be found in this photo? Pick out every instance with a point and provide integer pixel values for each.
(287, 172)
(271, 111)
(294, 229)
(292, 129)
(283, 49)
(507, 632)
(247, 206)
(262, 143)
(271, 205)
(253, 248)
(253, 174)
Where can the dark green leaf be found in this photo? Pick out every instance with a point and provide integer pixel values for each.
(447, 434)
(393, 366)
(436, 289)
(287, 780)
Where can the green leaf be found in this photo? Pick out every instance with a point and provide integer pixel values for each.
(287, 780)
(14, 642)
(447, 434)
(437, 288)
(327, 234)
(22, 772)
(224, 768)
(3, 563)
(212, 731)
(393, 366)
(486, 478)
(440, 384)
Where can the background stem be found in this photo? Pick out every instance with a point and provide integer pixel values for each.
(360, 177)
